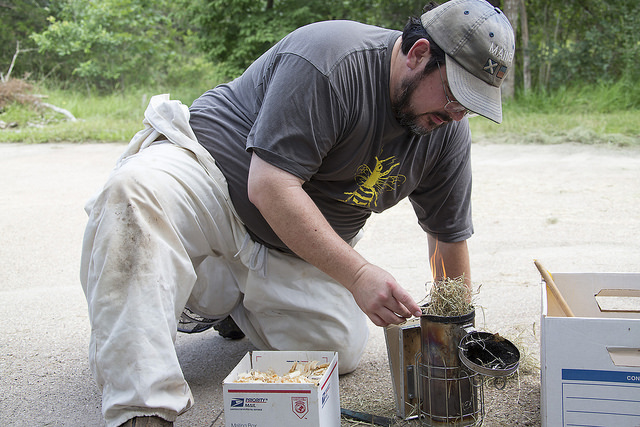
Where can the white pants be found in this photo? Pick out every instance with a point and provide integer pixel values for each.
(163, 234)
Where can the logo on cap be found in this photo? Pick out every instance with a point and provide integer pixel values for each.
(490, 66)
(501, 72)
(503, 55)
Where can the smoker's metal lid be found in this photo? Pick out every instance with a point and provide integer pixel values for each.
(489, 354)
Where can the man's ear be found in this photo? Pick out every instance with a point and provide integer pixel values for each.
(419, 53)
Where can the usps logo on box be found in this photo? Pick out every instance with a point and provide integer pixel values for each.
(248, 403)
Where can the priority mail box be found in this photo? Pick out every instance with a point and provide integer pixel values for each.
(590, 363)
(282, 405)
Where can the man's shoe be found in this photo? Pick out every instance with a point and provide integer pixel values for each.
(191, 323)
(147, 422)
(227, 328)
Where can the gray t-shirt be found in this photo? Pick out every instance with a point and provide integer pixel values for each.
(317, 105)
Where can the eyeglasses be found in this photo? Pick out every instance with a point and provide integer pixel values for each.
(451, 106)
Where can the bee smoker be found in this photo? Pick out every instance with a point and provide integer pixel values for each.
(439, 365)
(450, 393)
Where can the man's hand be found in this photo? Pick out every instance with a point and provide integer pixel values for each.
(381, 298)
(299, 223)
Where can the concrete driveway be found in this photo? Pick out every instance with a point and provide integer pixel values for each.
(575, 208)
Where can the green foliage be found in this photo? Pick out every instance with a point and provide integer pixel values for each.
(112, 44)
(18, 19)
(390, 13)
(108, 43)
(571, 42)
(584, 42)
(236, 32)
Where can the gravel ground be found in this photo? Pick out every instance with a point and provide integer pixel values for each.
(575, 208)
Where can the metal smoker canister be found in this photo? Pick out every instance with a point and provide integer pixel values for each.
(449, 391)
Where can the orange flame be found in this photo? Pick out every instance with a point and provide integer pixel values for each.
(433, 263)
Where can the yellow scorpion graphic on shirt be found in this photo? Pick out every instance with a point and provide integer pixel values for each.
(373, 182)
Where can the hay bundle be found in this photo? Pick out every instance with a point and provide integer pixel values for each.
(449, 297)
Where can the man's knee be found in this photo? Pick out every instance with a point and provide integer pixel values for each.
(350, 352)
(129, 182)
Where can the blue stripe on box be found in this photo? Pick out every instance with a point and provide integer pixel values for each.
(604, 376)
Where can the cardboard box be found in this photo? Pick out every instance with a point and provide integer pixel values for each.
(282, 405)
(403, 344)
(590, 363)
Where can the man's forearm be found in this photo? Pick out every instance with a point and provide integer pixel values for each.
(298, 222)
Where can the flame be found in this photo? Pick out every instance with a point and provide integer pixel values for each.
(433, 263)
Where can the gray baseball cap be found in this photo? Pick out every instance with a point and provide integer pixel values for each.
(479, 44)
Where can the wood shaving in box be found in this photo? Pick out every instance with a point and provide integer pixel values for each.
(309, 373)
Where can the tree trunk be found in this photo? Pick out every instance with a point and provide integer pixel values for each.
(6, 78)
(550, 44)
(524, 33)
(511, 11)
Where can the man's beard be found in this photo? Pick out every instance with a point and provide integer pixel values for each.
(402, 110)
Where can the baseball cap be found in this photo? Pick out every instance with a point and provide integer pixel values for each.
(479, 47)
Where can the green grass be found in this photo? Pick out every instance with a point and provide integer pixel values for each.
(589, 115)
(100, 118)
(595, 114)
(555, 127)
